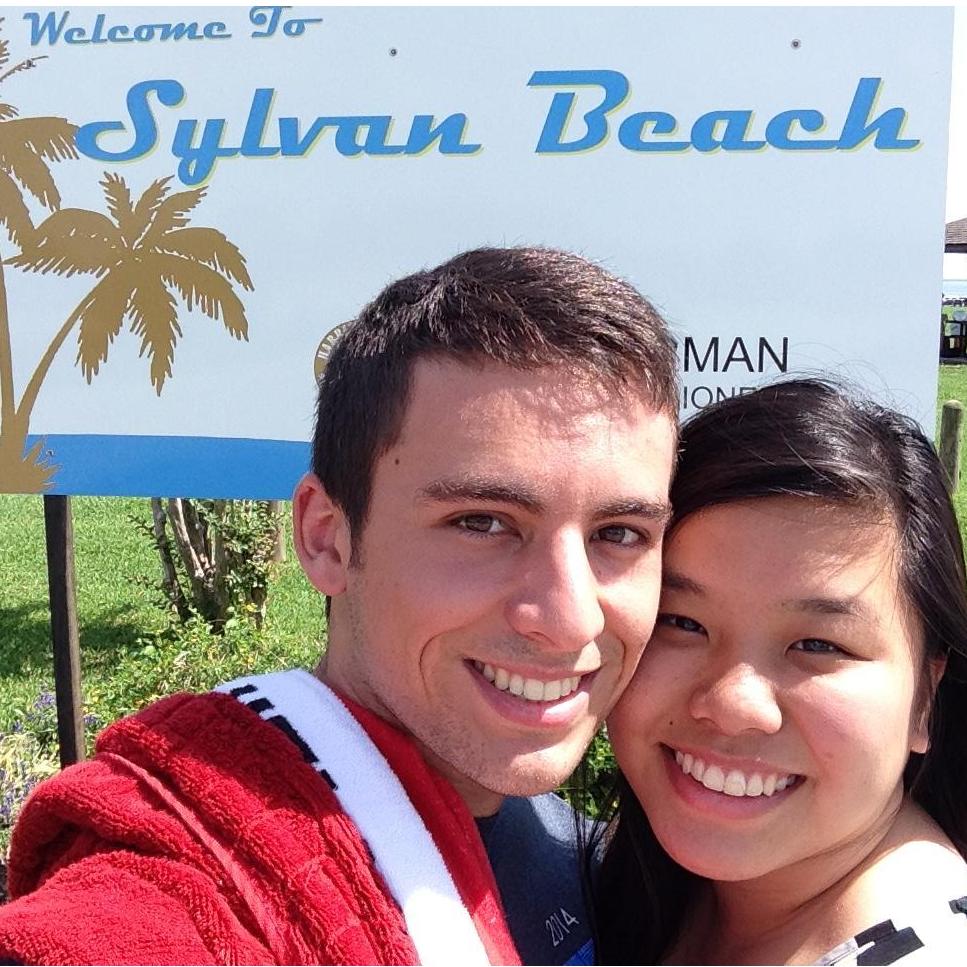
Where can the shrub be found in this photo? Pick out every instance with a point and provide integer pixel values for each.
(215, 556)
(590, 789)
(28, 754)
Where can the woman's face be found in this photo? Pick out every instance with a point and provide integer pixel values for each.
(776, 705)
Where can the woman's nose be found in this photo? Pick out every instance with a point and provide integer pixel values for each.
(737, 699)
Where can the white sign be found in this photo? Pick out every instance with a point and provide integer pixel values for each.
(195, 197)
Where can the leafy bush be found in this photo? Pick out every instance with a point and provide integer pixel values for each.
(590, 788)
(28, 754)
(215, 556)
(192, 657)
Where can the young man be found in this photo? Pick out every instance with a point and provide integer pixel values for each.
(491, 462)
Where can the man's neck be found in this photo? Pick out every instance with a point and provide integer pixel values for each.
(480, 801)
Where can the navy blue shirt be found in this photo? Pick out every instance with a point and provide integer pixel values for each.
(533, 850)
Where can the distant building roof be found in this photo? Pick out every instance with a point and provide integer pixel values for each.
(955, 238)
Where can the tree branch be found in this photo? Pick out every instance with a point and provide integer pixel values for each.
(170, 582)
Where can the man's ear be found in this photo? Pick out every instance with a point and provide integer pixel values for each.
(320, 532)
(920, 737)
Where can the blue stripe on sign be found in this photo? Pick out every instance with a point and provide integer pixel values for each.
(170, 466)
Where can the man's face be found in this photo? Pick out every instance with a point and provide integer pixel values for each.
(508, 572)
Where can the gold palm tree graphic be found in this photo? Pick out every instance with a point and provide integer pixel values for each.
(145, 258)
(26, 145)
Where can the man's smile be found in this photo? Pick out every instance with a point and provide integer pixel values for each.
(531, 689)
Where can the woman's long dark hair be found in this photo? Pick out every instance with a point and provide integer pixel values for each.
(809, 439)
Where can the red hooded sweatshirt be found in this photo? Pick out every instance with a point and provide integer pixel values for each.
(198, 834)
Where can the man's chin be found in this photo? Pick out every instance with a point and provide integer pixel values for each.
(531, 775)
(482, 778)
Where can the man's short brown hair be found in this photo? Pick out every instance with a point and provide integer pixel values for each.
(520, 307)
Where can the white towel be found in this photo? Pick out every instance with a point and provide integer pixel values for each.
(373, 797)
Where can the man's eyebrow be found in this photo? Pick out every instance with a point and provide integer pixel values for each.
(657, 510)
(851, 607)
(673, 581)
(489, 490)
(483, 489)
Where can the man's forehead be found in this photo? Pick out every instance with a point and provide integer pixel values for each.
(560, 393)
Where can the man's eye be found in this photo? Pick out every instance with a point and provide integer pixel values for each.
(617, 534)
(681, 622)
(816, 646)
(480, 524)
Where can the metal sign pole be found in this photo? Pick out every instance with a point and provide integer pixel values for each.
(63, 628)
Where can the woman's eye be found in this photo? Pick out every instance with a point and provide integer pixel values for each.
(681, 622)
(816, 646)
(480, 524)
(617, 534)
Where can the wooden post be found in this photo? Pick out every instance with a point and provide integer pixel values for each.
(951, 434)
(278, 545)
(63, 628)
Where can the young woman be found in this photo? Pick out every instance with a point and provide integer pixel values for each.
(794, 743)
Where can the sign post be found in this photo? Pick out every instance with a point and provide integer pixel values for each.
(63, 628)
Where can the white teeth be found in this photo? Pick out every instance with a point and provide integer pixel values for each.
(713, 778)
(734, 783)
(531, 689)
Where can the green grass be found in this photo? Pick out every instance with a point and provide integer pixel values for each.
(127, 657)
(953, 386)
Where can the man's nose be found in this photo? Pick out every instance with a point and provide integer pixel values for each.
(557, 601)
(736, 698)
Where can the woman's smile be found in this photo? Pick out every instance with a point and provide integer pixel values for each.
(779, 692)
(761, 780)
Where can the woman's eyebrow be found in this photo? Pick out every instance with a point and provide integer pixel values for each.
(673, 581)
(850, 606)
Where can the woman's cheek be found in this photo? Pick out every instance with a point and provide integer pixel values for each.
(654, 693)
(850, 722)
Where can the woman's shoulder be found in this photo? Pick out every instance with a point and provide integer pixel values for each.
(914, 898)
(937, 938)
(917, 863)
